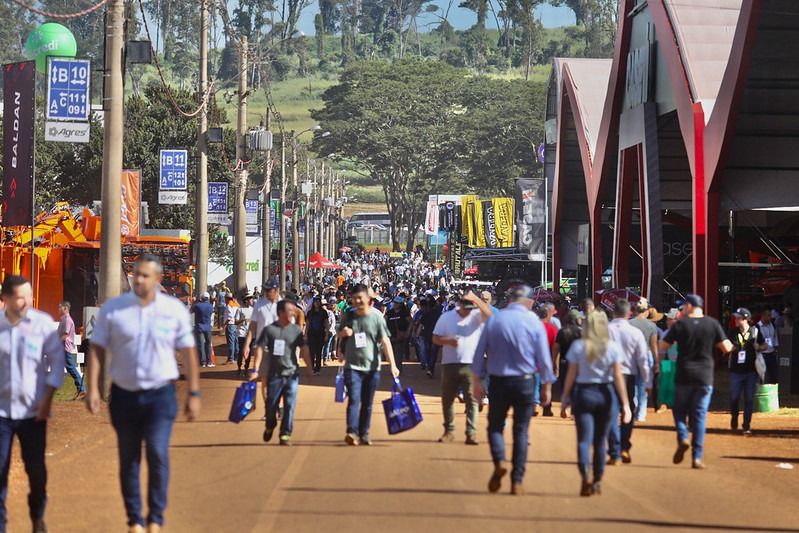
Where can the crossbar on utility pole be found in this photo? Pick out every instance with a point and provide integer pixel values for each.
(201, 206)
(113, 101)
(239, 212)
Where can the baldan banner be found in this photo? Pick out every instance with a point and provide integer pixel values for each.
(19, 101)
(131, 202)
(531, 217)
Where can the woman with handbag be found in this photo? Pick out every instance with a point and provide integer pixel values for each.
(594, 370)
(747, 342)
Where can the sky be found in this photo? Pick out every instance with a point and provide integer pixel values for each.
(460, 18)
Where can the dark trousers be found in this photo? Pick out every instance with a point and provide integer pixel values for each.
(595, 407)
(772, 367)
(144, 416)
(399, 348)
(203, 346)
(507, 392)
(315, 346)
(32, 440)
(743, 385)
(240, 355)
(620, 439)
(361, 388)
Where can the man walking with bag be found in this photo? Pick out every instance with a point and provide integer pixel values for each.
(362, 332)
(142, 331)
(515, 346)
(31, 370)
(458, 332)
(280, 367)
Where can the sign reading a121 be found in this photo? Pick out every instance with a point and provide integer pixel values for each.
(173, 170)
(68, 96)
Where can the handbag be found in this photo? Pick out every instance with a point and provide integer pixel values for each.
(760, 366)
(243, 401)
(668, 371)
(341, 386)
(401, 410)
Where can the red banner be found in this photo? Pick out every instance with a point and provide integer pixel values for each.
(131, 202)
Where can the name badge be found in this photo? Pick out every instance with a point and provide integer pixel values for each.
(360, 340)
(279, 349)
(33, 347)
(769, 342)
(741, 357)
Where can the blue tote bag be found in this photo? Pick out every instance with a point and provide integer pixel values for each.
(243, 401)
(341, 388)
(402, 411)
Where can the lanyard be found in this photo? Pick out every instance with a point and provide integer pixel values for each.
(742, 339)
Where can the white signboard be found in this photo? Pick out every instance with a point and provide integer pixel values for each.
(172, 197)
(66, 132)
(223, 219)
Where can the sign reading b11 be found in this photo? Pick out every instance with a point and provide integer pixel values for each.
(173, 170)
(68, 96)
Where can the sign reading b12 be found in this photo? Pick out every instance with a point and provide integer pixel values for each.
(173, 170)
(68, 96)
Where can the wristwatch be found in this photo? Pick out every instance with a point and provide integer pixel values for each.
(194, 393)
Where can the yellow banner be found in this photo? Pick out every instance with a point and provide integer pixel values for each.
(467, 218)
(480, 230)
(503, 215)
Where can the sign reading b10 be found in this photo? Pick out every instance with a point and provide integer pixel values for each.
(173, 170)
(68, 96)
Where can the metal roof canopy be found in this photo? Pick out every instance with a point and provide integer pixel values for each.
(512, 255)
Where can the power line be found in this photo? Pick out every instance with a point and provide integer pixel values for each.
(62, 16)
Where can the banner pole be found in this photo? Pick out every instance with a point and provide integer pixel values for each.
(33, 206)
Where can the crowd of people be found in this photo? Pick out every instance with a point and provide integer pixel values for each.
(501, 350)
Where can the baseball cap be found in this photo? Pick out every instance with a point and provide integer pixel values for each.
(271, 285)
(642, 304)
(205, 295)
(742, 312)
(695, 300)
(672, 314)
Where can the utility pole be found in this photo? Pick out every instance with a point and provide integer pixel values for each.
(239, 213)
(113, 100)
(295, 234)
(307, 239)
(201, 205)
(280, 214)
(321, 211)
(266, 212)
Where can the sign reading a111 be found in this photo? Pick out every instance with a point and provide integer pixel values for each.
(68, 96)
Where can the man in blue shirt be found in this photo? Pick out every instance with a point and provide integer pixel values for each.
(202, 311)
(515, 346)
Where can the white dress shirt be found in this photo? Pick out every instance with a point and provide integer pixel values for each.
(142, 339)
(31, 359)
(635, 350)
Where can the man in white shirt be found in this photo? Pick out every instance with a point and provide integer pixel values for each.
(770, 354)
(142, 331)
(634, 365)
(264, 313)
(31, 370)
(458, 332)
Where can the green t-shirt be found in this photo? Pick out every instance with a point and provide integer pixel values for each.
(362, 349)
(280, 349)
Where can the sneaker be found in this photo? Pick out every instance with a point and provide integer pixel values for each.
(682, 447)
(625, 457)
(747, 433)
(430, 374)
(211, 365)
(39, 526)
(203, 365)
(548, 411)
(351, 439)
(365, 440)
(461, 399)
(734, 423)
(495, 482)
(613, 461)
(268, 434)
(596, 488)
(698, 464)
(446, 437)
(285, 440)
(586, 489)
(517, 489)
(535, 411)
(136, 528)
(316, 372)
(471, 441)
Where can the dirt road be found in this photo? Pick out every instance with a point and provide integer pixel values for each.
(225, 479)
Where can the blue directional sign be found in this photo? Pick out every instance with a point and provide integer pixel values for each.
(68, 96)
(173, 170)
(217, 197)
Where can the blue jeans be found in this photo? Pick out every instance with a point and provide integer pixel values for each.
(144, 416)
(32, 439)
(277, 388)
(327, 349)
(691, 403)
(361, 388)
(203, 346)
(595, 407)
(537, 390)
(429, 355)
(72, 370)
(232, 338)
(507, 392)
(641, 399)
(621, 434)
(743, 385)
